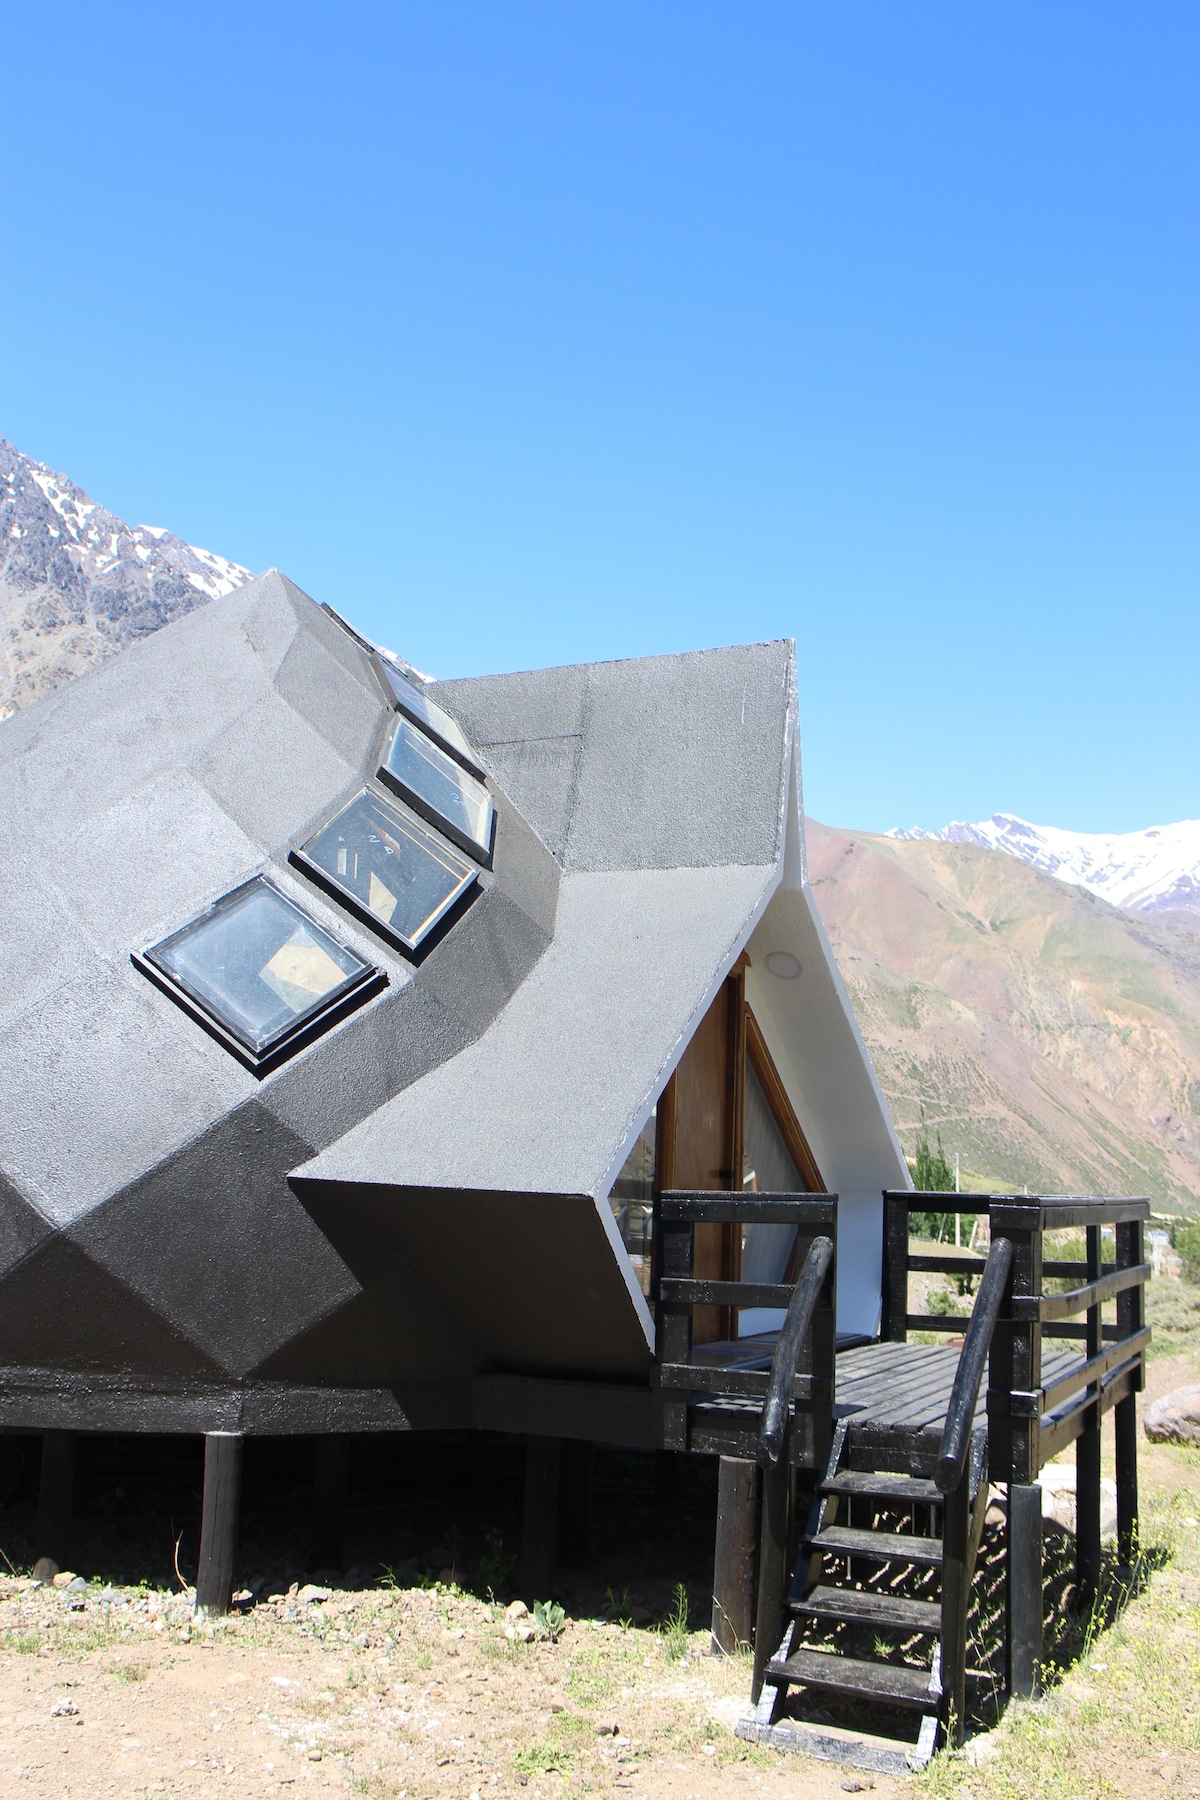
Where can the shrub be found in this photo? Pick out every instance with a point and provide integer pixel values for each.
(1187, 1244)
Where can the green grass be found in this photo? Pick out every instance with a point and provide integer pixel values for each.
(543, 1759)
(127, 1673)
(1131, 1694)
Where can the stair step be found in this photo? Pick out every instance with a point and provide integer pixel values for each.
(905, 1490)
(890, 1611)
(865, 1680)
(883, 1546)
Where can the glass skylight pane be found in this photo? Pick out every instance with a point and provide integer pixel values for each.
(438, 787)
(259, 965)
(390, 866)
(413, 701)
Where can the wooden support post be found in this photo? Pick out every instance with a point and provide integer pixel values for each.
(219, 1522)
(773, 1570)
(893, 1323)
(1087, 1454)
(1131, 1316)
(1024, 1588)
(56, 1493)
(1125, 1443)
(733, 1559)
(956, 1520)
(539, 1530)
(330, 1480)
(575, 1499)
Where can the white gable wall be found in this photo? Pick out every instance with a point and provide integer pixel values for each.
(818, 1050)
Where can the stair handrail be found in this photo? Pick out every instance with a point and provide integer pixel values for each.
(796, 1326)
(964, 1396)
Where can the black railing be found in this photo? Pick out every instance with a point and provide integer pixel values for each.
(968, 1378)
(776, 1410)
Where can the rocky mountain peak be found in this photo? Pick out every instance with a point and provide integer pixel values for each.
(77, 583)
(1152, 871)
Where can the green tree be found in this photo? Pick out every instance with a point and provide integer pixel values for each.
(932, 1174)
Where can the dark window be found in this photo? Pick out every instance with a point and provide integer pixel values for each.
(389, 867)
(632, 1201)
(259, 969)
(439, 788)
(415, 704)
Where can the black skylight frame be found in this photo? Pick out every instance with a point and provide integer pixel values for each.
(431, 752)
(439, 921)
(407, 696)
(312, 1022)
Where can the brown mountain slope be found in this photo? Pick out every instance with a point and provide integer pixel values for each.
(1052, 1039)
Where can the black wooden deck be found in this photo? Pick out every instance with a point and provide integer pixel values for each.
(893, 1395)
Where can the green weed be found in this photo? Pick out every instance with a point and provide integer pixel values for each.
(543, 1759)
(675, 1626)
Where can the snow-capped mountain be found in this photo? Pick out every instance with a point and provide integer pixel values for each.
(1153, 871)
(76, 582)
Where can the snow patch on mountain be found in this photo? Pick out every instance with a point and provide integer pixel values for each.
(77, 583)
(1153, 871)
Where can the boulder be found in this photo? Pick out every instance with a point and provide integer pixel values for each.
(1175, 1419)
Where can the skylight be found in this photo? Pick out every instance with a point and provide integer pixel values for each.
(389, 867)
(415, 704)
(439, 788)
(259, 971)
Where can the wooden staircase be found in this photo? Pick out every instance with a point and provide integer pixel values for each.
(881, 1583)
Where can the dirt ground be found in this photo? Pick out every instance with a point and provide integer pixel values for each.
(388, 1694)
(409, 1685)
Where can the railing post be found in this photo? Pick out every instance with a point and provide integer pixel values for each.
(893, 1322)
(1087, 1449)
(1014, 1429)
(674, 1252)
(1131, 1316)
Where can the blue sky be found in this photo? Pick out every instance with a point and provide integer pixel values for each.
(528, 333)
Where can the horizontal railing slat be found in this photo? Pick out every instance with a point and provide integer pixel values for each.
(750, 1383)
(947, 1265)
(693, 1291)
(1044, 1307)
(815, 1210)
(1083, 1374)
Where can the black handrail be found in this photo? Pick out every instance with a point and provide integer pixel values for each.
(801, 1307)
(960, 1414)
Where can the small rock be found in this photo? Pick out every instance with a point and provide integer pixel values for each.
(520, 1634)
(856, 1787)
(310, 1594)
(66, 1709)
(44, 1570)
(77, 1586)
(1175, 1419)
(557, 1706)
(517, 1610)
(64, 1578)
(314, 1754)
(608, 1731)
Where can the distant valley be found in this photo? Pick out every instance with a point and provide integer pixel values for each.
(1052, 1039)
